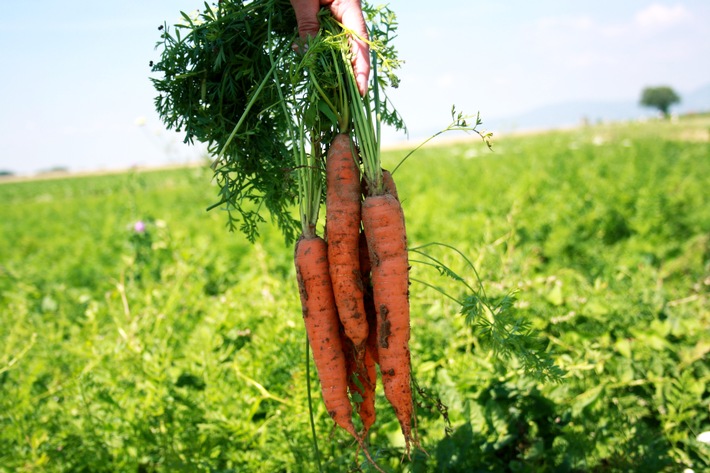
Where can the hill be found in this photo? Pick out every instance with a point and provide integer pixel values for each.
(566, 114)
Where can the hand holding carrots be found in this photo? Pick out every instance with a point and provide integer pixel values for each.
(347, 12)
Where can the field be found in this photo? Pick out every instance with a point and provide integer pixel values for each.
(137, 334)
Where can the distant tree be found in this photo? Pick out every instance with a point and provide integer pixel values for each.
(659, 97)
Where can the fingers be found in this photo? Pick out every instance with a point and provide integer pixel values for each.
(306, 17)
(349, 13)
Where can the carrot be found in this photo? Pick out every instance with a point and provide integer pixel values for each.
(383, 222)
(372, 358)
(342, 227)
(322, 327)
(387, 183)
(366, 409)
(362, 376)
(369, 302)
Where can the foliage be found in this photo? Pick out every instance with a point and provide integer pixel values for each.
(174, 346)
(661, 98)
(217, 83)
(230, 77)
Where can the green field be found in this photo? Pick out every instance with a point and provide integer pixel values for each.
(181, 347)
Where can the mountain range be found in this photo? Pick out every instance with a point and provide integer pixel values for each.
(567, 114)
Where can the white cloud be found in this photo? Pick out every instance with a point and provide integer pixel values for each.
(585, 42)
(648, 20)
(659, 16)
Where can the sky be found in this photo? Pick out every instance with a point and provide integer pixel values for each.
(75, 89)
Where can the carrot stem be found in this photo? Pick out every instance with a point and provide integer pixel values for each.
(436, 288)
(460, 253)
(459, 123)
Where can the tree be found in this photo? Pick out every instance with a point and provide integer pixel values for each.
(661, 97)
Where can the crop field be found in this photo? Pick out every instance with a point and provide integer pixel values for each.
(137, 334)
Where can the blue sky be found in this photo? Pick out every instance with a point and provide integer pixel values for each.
(74, 80)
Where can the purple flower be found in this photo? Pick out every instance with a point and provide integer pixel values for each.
(139, 226)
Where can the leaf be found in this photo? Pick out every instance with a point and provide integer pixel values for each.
(554, 296)
(623, 346)
(328, 112)
(585, 399)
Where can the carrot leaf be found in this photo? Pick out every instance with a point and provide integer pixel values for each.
(494, 321)
(215, 84)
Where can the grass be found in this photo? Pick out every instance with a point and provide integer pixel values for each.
(181, 348)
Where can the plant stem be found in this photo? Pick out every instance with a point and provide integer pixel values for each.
(454, 126)
(436, 288)
(418, 249)
(364, 130)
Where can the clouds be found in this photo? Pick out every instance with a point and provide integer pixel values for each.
(651, 41)
(506, 58)
(659, 17)
(592, 27)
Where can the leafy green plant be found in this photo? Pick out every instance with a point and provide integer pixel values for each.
(220, 86)
(203, 368)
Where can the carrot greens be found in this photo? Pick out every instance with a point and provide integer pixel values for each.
(217, 84)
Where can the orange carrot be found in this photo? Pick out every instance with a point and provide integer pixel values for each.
(368, 378)
(387, 184)
(342, 228)
(322, 327)
(383, 222)
(366, 409)
(362, 376)
(369, 302)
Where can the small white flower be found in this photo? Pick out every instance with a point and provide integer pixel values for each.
(688, 470)
(704, 437)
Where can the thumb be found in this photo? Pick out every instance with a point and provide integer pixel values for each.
(306, 17)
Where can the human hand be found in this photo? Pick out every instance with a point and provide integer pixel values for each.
(349, 13)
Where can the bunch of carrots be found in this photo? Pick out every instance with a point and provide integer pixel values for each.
(354, 290)
(231, 80)
(354, 281)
